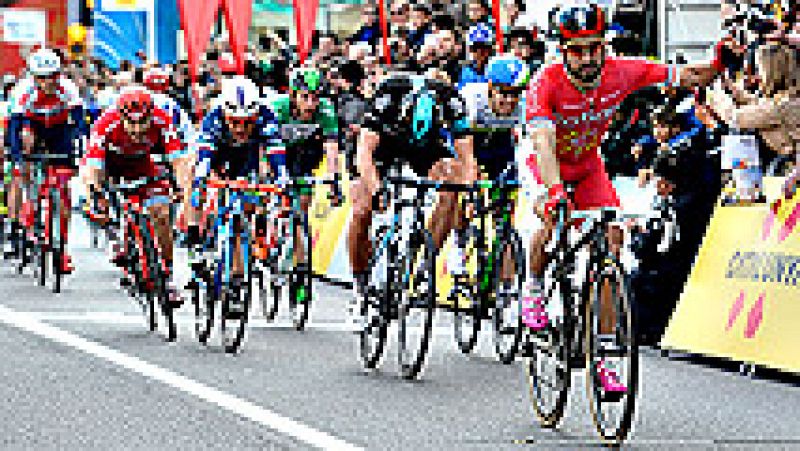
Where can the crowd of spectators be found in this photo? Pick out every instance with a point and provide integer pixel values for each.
(666, 136)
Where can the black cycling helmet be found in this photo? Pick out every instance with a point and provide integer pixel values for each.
(580, 22)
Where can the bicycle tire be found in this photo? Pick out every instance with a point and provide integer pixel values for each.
(421, 278)
(232, 343)
(611, 271)
(506, 350)
(56, 241)
(556, 335)
(150, 278)
(44, 225)
(374, 308)
(300, 280)
(202, 288)
(267, 291)
(467, 322)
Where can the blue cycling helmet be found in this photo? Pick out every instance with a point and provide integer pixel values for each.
(480, 34)
(508, 70)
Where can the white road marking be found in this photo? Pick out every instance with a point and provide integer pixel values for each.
(246, 409)
(137, 318)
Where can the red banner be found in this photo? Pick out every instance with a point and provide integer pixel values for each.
(497, 25)
(196, 20)
(238, 14)
(305, 17)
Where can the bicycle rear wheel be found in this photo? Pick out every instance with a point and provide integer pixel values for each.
(43, 228)
(467, 294)
(266, 291)
(417, 302)
(374, 306)
(547, 358)
(612, 412)
(202, 289)
(506, 319)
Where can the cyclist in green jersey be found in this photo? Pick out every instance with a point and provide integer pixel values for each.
(308, 128)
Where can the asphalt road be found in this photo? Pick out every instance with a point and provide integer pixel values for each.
(80, 371)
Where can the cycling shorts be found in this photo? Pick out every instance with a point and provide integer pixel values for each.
(593, 188)
(393, 151)
(302, 160)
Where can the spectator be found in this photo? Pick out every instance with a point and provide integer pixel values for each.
(522, 43)
(774, 112)
(478, 13)
(480, 43)
(399, 17)
(370, 31)
(442, 50)
(419, 25)
(687, 178)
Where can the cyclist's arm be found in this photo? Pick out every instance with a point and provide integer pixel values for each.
(330, 130)
(540, 154)
(367, 143)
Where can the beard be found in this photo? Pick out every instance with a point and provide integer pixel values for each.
(586, 72)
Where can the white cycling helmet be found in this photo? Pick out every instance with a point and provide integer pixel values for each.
(44, 62)
(240, 97)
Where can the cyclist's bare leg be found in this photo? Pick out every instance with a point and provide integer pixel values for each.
(447, 209)
(608, 311)
(358, 233)
(299, 243)
(507, 265)
(160, 213)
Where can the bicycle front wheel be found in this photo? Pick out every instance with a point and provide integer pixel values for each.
(506, 318)
(467, 293)
(547, 358)
(417, 302)
(300, 279)
(612, 358)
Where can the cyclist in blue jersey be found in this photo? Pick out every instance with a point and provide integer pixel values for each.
(234, 140)
(494, 112)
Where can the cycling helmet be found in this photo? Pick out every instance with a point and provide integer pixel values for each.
(156, 79)
(135, 103)
(305, 79)
(44, 62)
(507, 70)
(480, 34)
(240, 97)
(579, 22)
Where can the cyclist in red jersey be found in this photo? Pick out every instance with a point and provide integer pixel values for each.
(569, 107)
(121, 145)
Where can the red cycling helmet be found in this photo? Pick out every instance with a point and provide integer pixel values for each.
(156, 80)
(580, 22)
(135, 104)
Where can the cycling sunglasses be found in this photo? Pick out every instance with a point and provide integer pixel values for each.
(578, 50)
(240, 121)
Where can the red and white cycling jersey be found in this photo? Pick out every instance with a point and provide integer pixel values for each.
(46, 109)
(581, 119)
(111, 148)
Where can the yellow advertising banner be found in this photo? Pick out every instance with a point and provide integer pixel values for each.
(327, 224)
(742, 300)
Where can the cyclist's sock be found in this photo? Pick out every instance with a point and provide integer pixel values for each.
(456, 263)
(353, 304)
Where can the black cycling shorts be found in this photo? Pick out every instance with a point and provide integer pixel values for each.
(393, 151)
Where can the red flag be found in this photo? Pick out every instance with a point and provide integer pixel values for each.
(196, 19)
(197, 16)
(305, 18)
(387, 55)
(238, 14)
(497, 25)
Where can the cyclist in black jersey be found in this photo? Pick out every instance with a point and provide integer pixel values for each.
(419, 121)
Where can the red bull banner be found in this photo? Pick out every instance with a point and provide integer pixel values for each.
(742, 300)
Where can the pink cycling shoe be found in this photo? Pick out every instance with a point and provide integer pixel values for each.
(613, 388)
(533, 313)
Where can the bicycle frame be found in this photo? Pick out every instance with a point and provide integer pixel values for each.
(565, 257)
